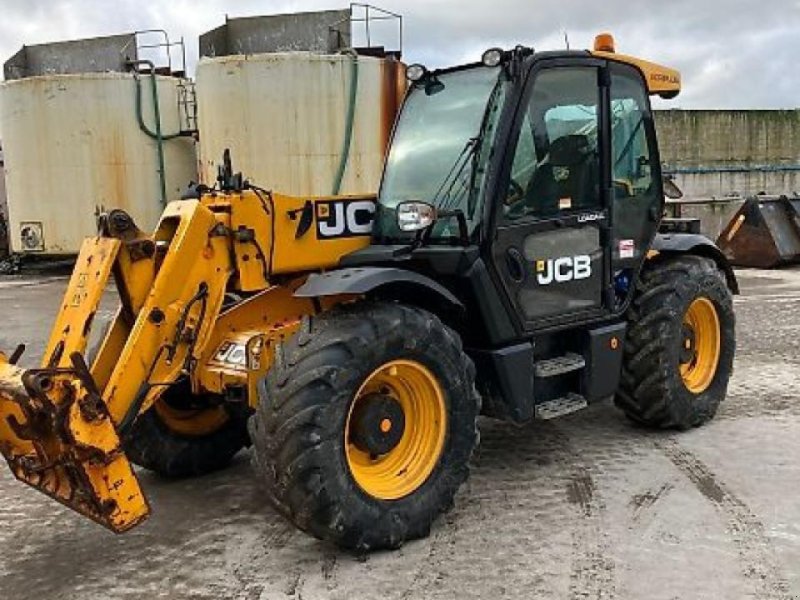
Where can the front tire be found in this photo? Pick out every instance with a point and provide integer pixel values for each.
(176, 441)
(680, 344)
(366, 423)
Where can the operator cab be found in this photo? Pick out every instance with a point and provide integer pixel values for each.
(527, 190)
(546, 161)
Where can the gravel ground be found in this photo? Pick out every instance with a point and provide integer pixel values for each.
(583, 507)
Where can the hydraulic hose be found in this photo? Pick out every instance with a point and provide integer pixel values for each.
(349, 122)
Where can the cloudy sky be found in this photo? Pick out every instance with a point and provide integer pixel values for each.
(733, 53)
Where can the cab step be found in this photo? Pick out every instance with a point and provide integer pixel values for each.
(560, 406)
(559, 365)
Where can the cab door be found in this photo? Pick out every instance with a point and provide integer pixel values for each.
(551, 247)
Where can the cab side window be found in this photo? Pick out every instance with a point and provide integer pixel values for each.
(632, 162)
(525, 163)
(631, 154)
(555, 168)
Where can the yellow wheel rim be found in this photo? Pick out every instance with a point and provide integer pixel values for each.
(196, 423)
(701, 345)
(407, 465)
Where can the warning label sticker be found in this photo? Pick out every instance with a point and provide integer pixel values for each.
(627, 249)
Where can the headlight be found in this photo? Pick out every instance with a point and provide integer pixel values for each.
(492, 57)
(415, 216)
(415, 72)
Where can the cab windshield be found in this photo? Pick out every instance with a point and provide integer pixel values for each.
(440, 148)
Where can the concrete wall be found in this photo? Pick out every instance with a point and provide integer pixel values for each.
(731, 152)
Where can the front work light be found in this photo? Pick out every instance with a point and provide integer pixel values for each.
(415, 216)
(415, 72)
(492, 57)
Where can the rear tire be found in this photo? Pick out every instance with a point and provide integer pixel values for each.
(305, 408)
(156, 446)
(175, 454)
(670, 378)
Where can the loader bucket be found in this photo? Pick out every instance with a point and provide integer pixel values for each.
(57, 436)
(764, 233)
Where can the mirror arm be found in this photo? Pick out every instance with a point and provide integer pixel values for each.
(461, 219)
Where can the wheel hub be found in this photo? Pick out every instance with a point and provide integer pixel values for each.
(396, 430)
(701, 344)
(689, 346)
(377, 424)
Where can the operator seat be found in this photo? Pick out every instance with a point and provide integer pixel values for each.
(568, 173)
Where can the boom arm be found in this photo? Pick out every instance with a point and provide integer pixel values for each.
(62, 426)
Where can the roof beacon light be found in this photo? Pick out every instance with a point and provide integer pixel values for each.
(492, 57)
(415, 72)
(604, 42)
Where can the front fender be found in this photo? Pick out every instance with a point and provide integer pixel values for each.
(692, 243)
(364, 280)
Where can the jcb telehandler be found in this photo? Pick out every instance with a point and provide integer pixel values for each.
(512, 264)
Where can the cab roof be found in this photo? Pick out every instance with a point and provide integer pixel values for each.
(662, 81)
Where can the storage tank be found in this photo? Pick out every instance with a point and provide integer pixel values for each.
(284, 118)
(292, 119)
(3, 209)
(73, 145)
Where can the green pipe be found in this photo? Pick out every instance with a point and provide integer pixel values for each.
(349, 123)
(157, 135)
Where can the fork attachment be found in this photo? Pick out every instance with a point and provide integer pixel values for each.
(58, 437)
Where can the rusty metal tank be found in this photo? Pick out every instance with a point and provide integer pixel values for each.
(79, 125)
(3, 209)
(284, 116)
(73, 146)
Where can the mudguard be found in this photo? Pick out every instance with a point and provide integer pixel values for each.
(362, 280)
(691, 243)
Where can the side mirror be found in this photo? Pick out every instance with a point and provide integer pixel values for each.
(671, 189)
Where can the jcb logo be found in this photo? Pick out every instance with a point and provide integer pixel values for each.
(344, 218)
(565, 268)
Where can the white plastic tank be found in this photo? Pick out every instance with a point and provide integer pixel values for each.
(73, 146)
(284, 117)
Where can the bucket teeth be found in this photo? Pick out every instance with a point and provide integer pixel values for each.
(58, 437)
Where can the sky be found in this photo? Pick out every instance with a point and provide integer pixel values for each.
(732, 53)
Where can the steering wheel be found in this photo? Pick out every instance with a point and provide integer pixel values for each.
(516, 206)
(517, 210)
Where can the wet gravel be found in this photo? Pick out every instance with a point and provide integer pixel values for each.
(588, 506)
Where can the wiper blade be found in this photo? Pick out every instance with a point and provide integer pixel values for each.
(474, 145)
(458, 167)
